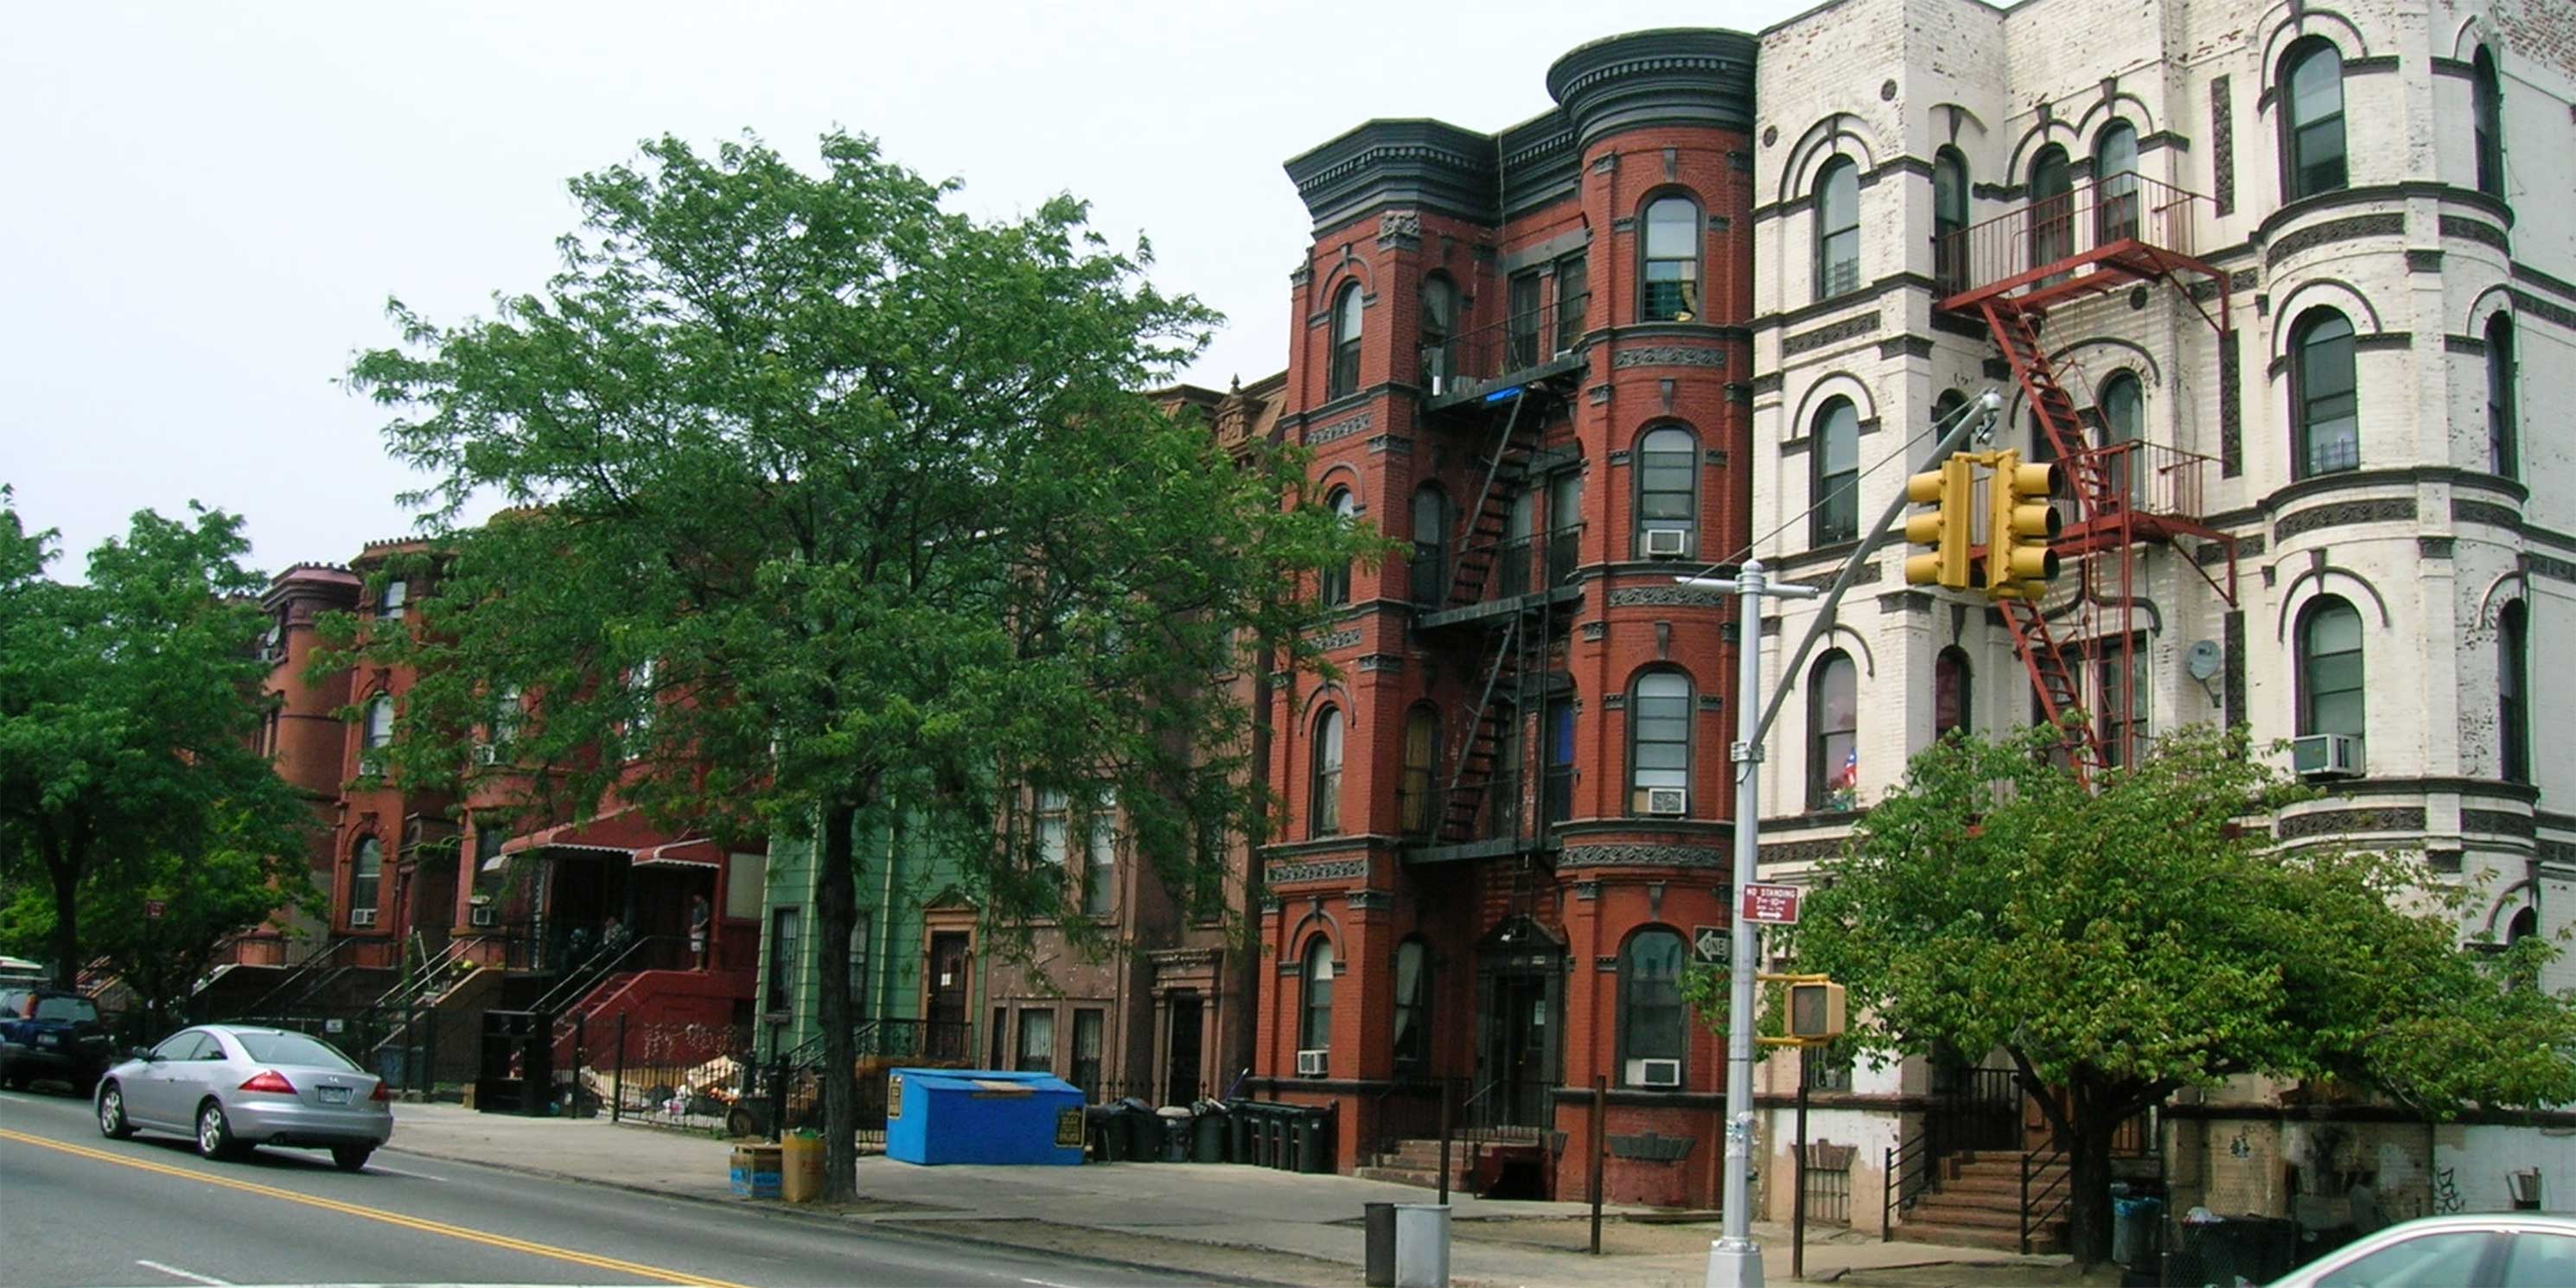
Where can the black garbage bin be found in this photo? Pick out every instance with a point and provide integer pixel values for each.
(1377, 1222)
(1208, 1133)
(1144, 1130)
(1108, 1134)
(1314, 1140)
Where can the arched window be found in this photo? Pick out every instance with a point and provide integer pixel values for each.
(1439, 322)
(1430, 546)
(1335, 587)
(1315, 1019)
(2312, 120)
(1654, 1032)
(1415, 796)
(397, 595)
(2513, 704)
(1667, 492)
(366, 875)
(2324, 402)
(2052, 207)
(380, 722)
(1833, 733)
(1669, 288)
(2524, 925)
(1952, 692)
(1834, 473)
(1949, 221)
(1324, 815)
(1946, 405)
(2115, 183)
(2503, 430)
(1345, 375)
(2486, 111)
(1837, 228)
(2123, 409)
(1659, 741)
(1412, 1045)
(2330, 670)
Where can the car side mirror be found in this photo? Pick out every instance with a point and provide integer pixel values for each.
(143, 1053)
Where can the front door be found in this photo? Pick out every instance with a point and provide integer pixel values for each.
(947, 1011)
(1519, 975)
(1181, 1081)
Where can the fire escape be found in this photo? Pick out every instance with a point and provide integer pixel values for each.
(2011, 271)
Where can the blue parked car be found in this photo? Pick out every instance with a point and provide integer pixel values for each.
(50, 1033)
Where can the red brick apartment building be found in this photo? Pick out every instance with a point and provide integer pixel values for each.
(1527, 354)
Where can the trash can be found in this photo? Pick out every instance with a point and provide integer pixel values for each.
(755, 1171)
(800, 1167)
(1421, 1245)
(1314, 1129)
(1144, 1131)
(1176, 1128)
(1377, 1220)
(1208, 1133)
(1108, 1134)
(2133, 1229)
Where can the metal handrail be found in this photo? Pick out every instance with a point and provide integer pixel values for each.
(431, 980)
(1518, 342)
(2063, 1187)
(591, 970)
(2093, 215)
(1896, 1196)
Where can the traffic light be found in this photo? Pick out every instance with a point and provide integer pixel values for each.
(1950, 490)
(2020, 523)
(1816, 1010)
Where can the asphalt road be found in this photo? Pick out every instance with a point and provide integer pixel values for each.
(85, 1210)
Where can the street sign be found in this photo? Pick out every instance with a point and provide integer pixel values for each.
(1775, 905)
(152, 909)
(1712, 944)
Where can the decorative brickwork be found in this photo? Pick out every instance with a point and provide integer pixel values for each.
(2332, 822)
(2348, 228)
(2476, 230)
(1281, 874)
(2393, 509)
(2496, 822)
(2232, 701)
(1644, 856)
(1340, 429)
(2222, 142)
(2464, 510)
(1666, 597)
(2546, 566)
(1851, 328)
(1668, 355)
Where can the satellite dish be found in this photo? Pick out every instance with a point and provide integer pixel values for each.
(2203, 659)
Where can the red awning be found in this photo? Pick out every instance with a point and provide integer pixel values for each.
(625, 832)
(699, 853)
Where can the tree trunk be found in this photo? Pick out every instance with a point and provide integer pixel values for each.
(836, 905)
(67, 958)
(2088, 1203)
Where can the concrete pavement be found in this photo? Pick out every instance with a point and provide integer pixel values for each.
(1221, 1220)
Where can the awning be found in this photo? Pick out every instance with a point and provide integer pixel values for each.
(699, 853)
(625, 833)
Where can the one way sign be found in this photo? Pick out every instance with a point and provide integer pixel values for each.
(1712, 944)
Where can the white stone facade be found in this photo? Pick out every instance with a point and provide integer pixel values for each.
(2425, 537)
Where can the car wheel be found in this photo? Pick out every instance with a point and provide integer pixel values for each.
(111, 1113)
(215, 1132)
(351, 1158)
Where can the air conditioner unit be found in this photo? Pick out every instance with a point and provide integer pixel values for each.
(483, 915)
(1310, 1064)
(486, 754)
(371, 767)
(362, 916)
(1654, 1073)
(1667, 543)
(1668, 800)
(2326, 755)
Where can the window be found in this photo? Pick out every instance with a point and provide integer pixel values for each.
(294, 1049)
(2513, 706)
(380, 722)
(1670, 285)
(1335, 585)
(1315, 1020)
(1668, 486)
(1430, 547)
(1651, 1023)
(2330, 671)
(1089, 1024)
(506, 710)
(861, 938)
(1324, 814)
(1951, 692)
(1659, 728)
(2503, 433)
(1573, 292)
(1414, 797)
(2312, 120)
(1503, 788)
(2052, 208)
(1836, 474)
(786, 927)
(2115, 184)
(2448, 1258)
(366, 873)
(1037, 1042)
(2540, 1260)
(1412, 1004)
(390, 604)
(1100, 863)
(1837, 228)
(2122, 703)
(1564, 526)
(2324, 404)
(2123, 409)
(642, 695)
(1054, 835)
(1525, 322)
(1833, 733)
(1557, 783)
(1949, 221)
(2486, 111)
(1345, 375)
(1439, 322)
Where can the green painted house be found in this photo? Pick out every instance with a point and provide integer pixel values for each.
(911, 956)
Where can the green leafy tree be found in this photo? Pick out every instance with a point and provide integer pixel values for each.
(833, 508)
(130, 709)
(2152, 935)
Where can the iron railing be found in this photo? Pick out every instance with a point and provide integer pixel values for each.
(2094, 215)
(1467, 361)
(2048, 1205)
(1908, 1172)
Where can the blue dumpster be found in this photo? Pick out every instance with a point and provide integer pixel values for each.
(980, 1116)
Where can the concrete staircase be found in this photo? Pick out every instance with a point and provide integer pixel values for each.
(1417, 1162)
(1976, 1203)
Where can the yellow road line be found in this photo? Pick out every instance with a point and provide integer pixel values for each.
(376, 1214)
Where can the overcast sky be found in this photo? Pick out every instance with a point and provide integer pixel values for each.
(208, 204)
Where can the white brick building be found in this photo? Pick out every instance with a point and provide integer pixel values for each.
(2389, 188)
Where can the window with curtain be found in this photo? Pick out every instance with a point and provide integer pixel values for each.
(1430, 546)
(2486, 113)
(2513, 704)
(1054, 830)
(2115, 183)
(1315, 1014)
(1833, 733)
(2052, 207)
(1951, 692)
(1659, 735)
(2503, 428)
(2312, 120)
(1324, 814)
(2123, 409)
(1415, 797)
(1335, 583)
(1834, 479)
(391, 604)
(1037, 1042)
(1652, 1022)
(1089, 1027)
(1949, 221)
(2330, 668)
(2324, 396)
(366, 874)
(380, 722)
(1668, 486)
(1412, 1045)
(1573, 291)
(1669, 288)
(1837, 228)
(1345, 375)
(1100, 861)
(1439, 322)
(507, 707)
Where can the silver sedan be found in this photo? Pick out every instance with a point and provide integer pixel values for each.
(234, 1087)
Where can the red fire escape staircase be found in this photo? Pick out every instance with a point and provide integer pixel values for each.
(2010, 271)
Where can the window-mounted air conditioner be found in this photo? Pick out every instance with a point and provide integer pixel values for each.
(1667, 543)
(1654, 1073)
(483, 915)
(1310, 1064)
(2326, 755)
(1668, 800)
(486, 754)
(371, 767)
(362, 916)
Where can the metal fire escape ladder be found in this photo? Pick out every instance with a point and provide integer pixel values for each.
(1489, 524)
(1498, 703)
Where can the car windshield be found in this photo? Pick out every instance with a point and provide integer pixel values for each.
(70, 1010)
(293, 1048)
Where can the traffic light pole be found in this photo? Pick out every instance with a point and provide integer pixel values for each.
(1734, 1259)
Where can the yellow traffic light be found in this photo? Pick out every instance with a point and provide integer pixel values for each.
(2019, 525)
(1950, 491)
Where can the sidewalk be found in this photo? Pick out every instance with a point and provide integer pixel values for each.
(1219, 1220)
